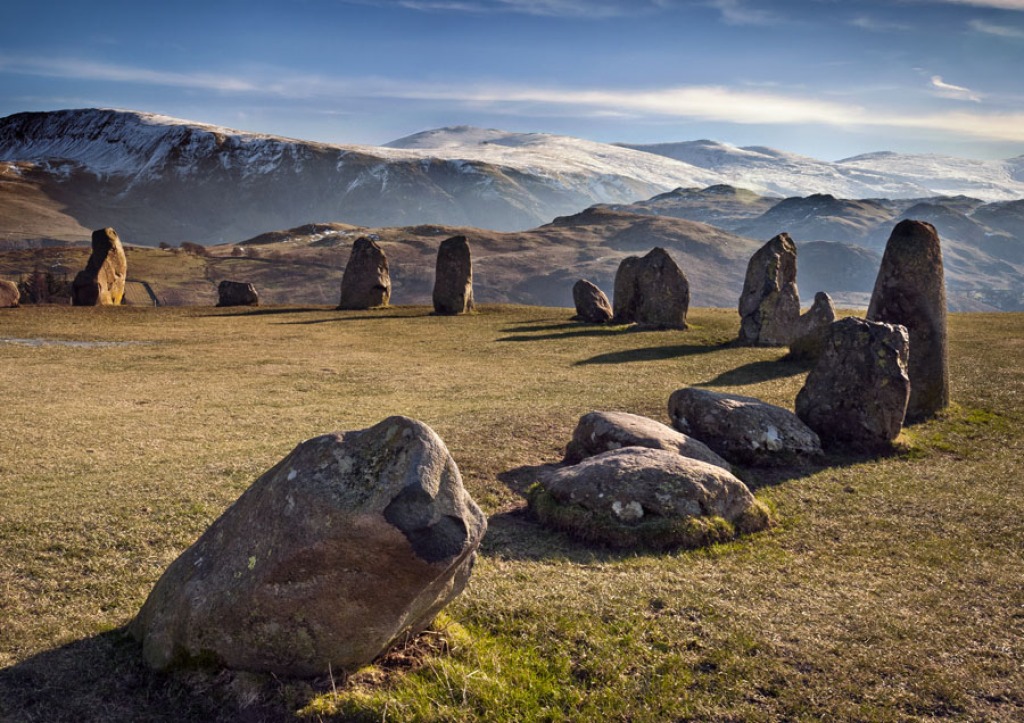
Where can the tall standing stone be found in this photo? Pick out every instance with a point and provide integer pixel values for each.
(651, 291)
(453, 280)
(366, 283)
(101, 283)
(770, 303)
(811, 328)
(857, 393)
(911, 291)
(592, 306)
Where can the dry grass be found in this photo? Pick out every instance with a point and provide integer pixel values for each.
(890, 590)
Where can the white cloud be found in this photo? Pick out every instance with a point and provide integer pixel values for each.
(954, 92)
(737, 12)
(1001, 31)
(596, 9)
(872, 24)
(999, 4)
(89, 70)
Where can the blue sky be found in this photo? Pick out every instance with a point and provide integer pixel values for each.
(822, 77)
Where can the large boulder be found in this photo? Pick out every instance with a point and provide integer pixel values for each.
(353, 541)
(647, 498)
(237, 293)
(770, 303)
(9, 294)
(366, 283)
(453, 279)
(599, 432)
(742, 429)
(592, 306)
(857, 393)
(809, 333)
(911, 291)
(101, 282)
(651, 291)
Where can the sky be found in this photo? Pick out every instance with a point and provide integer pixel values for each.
(826, 78)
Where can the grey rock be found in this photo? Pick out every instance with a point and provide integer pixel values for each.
(744, 430)
(599, 432)
(592, 306)
(857, 393)
(366, 283)
(9, 294)
(350, 543)
(237, 293)
(770, 303)
(809, 332)
(651, 291)
(911, 291)
(453, 280)
(101, 282)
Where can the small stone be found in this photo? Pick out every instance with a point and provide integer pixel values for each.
(592, 306)
(366, 283)
(237, 293)
(651, 291)
(10, 296)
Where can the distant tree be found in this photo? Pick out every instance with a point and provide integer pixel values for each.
(237, 251)
(165, 246)
(194, 249)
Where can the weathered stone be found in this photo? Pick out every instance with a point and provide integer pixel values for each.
(366, 283)
(744, 430)
(453, 280)
(857, 393)
(101, 282)
(811, 327)
(651, 291)
(237, 293)
(770, 303)
(599, 432)
(9, 294)
(641, 497)
(911, 291)
(592, 306)
(350, 543)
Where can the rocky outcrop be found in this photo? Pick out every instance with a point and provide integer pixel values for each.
(101, 282)
(237, 293)
(770, 303)
(811, 327)
(9, 294)
(366, 283)
(911, 291)
(744, 430)
(647, 498)
(353, 541)
(453, 280)
(592, 306)
(857, 393)
(651, 291)
(599, 432)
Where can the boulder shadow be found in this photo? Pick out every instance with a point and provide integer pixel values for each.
(757, 372)
(362, 316)
(572, 331)
(103, 678)
(658, 353)
(258, 311)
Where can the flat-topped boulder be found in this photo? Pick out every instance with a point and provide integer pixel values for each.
(769, 305)
(366, 283)
(857, 394)
(638, 498)
(744, 430)
(352, 542)
(599, 432)
(911, 291)
(651, 291)
(101, 282)
(453, 279)
(592, 306)
(10, 296)
(237, 293)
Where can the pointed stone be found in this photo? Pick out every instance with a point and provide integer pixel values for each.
(101, 283)
(651, 291)
(770, 303)
(366, 283)
(592, 306)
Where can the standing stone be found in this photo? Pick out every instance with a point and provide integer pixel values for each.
(9, 294)
(770, 303)
(237, 293)
(857, 393)
(352, 542)
(366, 283)
(811, 327)
(453, 279)
(101, 283)
(651, 291)
(911, 290)
(744, 430)
(592, 306)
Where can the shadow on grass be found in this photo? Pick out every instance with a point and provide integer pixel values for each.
(757, 372)
(256, 311)
(658, 353)
(103, 678)
(362, 316)
(568, 331)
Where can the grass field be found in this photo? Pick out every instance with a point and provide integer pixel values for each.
(891, 589)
